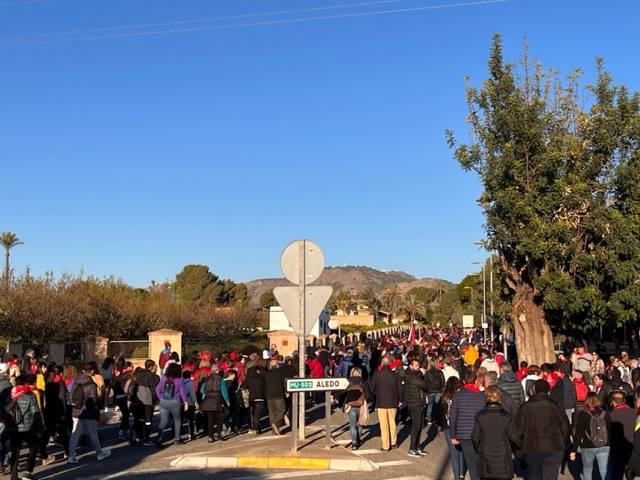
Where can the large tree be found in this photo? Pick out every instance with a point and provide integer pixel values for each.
(561, 196)
(8, 240)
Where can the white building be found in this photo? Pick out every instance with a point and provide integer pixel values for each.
(278, 321)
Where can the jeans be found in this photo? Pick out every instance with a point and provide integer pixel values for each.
(433, 400)
(456, 456)
(190, 417)
(589, 455)
(84, 426)
(470, 458)
(355, 430)
(417, 419)
(543, 466)
(170, 407)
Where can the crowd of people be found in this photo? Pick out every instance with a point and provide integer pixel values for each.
(498, 419)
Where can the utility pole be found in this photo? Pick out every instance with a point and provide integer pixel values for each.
(301, 331)
(491, 294)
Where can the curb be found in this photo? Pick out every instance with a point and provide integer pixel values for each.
(297, 463)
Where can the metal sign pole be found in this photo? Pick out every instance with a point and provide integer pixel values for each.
(302, 280)
(294, 421)
(327, 415)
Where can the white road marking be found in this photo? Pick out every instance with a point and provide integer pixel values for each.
(71, 469)
(393, 463)
(412, 477)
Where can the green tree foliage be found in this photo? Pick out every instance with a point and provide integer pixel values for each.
(425, 294)
(416, 308)
(198, 285)
(561, 196)
(268, 299)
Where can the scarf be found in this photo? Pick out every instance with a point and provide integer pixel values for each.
(19, 391)
(473, 387)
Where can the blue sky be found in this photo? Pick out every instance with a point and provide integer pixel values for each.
(135, 155)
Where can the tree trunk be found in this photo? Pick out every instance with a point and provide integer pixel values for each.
(6, 267)
(534, 340)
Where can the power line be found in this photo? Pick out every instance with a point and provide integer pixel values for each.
(254, 24)
(198, 20)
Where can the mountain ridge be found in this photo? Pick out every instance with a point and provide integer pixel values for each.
(354, 278)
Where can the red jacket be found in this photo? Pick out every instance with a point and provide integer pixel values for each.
(317, 370)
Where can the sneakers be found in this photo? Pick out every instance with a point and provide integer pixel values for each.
(49, 460)
(421, 453)
(414, 453)
(106, 453)
(211, 440)
(72, 459)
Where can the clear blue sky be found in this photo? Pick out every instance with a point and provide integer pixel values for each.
(135, 155)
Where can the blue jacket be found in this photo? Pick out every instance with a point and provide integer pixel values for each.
(464, 407)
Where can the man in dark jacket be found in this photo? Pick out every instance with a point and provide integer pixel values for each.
(274, 388)
(544, 431)
(147, 381)
(466, 403)
(623, 422)
(256, 386)
(86, 412)
(415, 388)
(509, 384)
(385, 385)
(564, 393)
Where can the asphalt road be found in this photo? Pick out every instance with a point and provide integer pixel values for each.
(141, 462)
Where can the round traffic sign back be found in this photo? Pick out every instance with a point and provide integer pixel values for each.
(313, 260)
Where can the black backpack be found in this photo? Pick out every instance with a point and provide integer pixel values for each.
(77, 396)
(598, 433)
(15, 414)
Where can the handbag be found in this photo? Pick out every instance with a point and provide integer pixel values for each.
(363, 418)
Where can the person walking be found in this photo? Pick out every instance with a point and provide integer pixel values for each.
(544, 431)
(592, 429)
(146, 383)
(120, 384)
(456, 456)
(509, 384)
(415, 397)
(435, 381)
(623, 422)
(190, 413)
(24, 424)
(385, 386)
(467, 402)
(211, 404)
(274, 383)
(354, 402)
(173, 400)
(85, 403)
(254, 383)
(493, 435)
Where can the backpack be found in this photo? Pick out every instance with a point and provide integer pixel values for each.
(14, 412)
(598, 430)
(211, 385)
(360, 400)
(168, 390)
(165, 356)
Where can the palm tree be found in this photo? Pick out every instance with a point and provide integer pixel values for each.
(392, 299)
(415, 307)
(8, 240)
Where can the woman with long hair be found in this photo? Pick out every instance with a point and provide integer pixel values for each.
(592, 432)
(456, 456)
(354, 400)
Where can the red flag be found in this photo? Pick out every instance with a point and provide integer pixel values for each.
(412, 334)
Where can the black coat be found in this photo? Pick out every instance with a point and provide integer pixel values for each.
(274, 383)
(415, 389)
(385, 385)
(435, 379)
(493, 434)
(212, 399)
(254, 382)
(542, 425)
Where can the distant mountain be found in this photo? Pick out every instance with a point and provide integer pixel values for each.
(353, 278)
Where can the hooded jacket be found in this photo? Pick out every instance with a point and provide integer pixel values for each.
(510, 384)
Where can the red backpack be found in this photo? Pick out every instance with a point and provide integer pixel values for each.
(581, 391)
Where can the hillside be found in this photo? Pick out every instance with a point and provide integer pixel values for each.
(352, 278)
